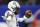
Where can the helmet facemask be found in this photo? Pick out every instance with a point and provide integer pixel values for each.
(17, 11)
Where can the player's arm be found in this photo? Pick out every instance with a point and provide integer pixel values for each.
(7, 18)
(8, 15)
(21, 19)
(4, 18)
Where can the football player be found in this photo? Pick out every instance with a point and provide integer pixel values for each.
(10, 15)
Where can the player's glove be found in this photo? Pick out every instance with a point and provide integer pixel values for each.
(28, 13)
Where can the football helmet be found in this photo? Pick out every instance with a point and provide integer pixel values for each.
(14, 6)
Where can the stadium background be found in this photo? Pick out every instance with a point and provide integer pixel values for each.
(33, 5)
(33, 8)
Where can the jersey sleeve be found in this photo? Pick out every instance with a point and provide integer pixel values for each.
(21, 19)
(8, 13)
